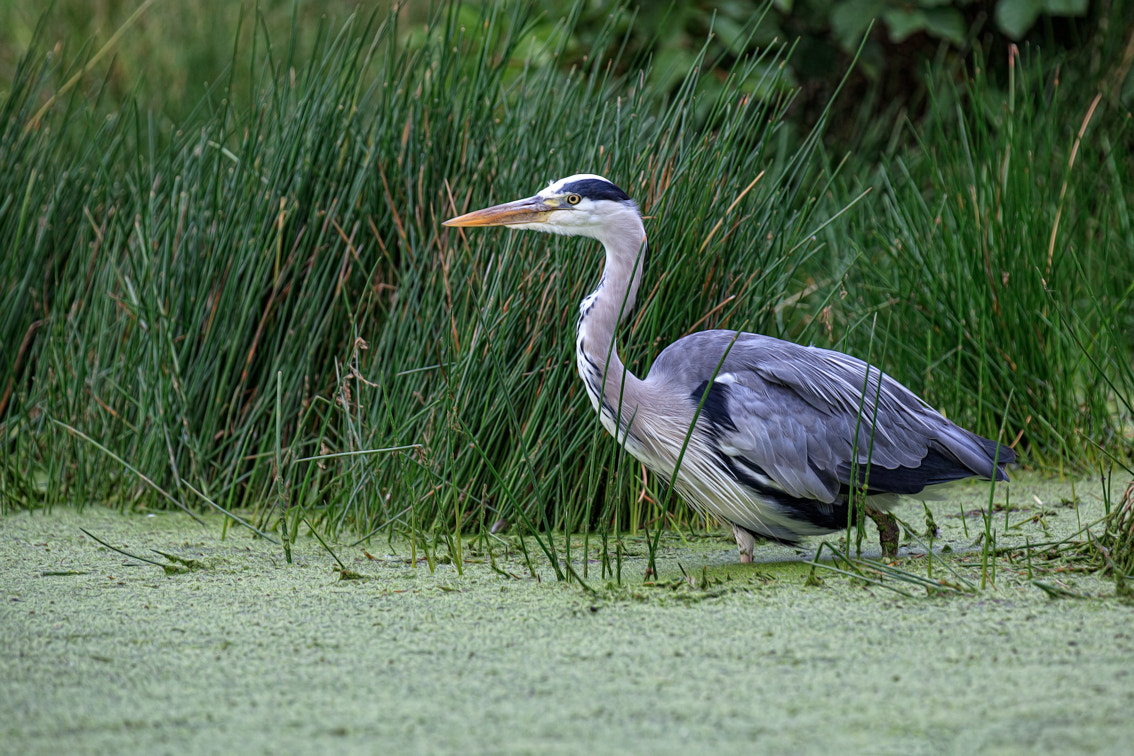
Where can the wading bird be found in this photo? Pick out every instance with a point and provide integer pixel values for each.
(777, 437)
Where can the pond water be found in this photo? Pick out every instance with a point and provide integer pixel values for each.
(245, 653)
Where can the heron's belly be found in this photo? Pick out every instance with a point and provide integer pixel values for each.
(708, 485)
(765, 515)
(706, 482)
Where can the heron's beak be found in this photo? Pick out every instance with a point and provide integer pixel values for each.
(530, 210)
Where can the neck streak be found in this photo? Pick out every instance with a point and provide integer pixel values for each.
(609, 385)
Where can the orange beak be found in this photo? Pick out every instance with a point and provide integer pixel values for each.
(520, 212)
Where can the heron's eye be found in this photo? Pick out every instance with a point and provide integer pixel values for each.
(573, 199)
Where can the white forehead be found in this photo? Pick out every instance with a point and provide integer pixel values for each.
(556, 187)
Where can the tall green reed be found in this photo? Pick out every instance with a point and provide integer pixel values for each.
(205, 293)
(1003, 263)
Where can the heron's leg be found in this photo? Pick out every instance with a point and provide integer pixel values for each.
(745, 543)
(888, 531)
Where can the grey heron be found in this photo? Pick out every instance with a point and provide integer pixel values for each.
(769, 436)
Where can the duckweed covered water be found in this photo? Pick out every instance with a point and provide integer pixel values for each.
(242, 652)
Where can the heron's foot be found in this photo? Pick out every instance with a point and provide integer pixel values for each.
(888, 532)
(745, 543)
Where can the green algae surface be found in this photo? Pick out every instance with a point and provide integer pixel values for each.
(234, 650)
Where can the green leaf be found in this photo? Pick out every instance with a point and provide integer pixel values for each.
(941, 23)
(946, 23)
(850, 20)
(903, 23)
(1015, 17)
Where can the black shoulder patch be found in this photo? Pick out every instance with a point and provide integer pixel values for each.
(596, 189)
(714, 412)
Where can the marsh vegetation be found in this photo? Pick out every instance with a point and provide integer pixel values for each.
(225, 296)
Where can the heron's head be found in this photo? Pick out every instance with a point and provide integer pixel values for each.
(580, 205)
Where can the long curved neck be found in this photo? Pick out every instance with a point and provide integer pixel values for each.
(610, 386)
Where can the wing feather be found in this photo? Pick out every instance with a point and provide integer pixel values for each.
(812, 419)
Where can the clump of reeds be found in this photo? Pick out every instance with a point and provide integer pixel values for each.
(1115, 545)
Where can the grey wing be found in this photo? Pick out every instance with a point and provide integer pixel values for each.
(812, 421)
